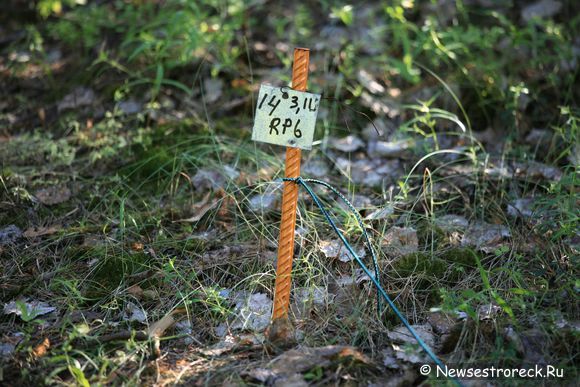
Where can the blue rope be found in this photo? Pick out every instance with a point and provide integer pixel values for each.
(375, 279)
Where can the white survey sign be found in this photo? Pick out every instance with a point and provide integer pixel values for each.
(285, 117)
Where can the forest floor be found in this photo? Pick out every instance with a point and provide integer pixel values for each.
(139, 223)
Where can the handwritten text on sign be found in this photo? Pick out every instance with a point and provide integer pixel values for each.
(285, 117)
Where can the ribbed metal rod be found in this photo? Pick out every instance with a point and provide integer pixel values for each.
(289, 201)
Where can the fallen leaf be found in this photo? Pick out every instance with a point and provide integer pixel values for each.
(34, 232)
(52, 195)
(369, 82)
(389, 149)
(450, 223)
(302, 359)
(212, 89)
(9, 234)
(212, 179)
(81, 96)
(521, 208)
(28, 310)
(307, 299)
(381, 213)
(355, 279)
(349, 143)
(315, 168)
(41, 349)
(484, 236)
(401, 241)
(336, 249)
(200, 209)
(158, 328)
(134, 312)
(253, 313)
(488, 311)
(402, 335)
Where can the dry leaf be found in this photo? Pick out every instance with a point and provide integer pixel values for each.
(53, 195)
(347, 144)
(201, 209)
(336, 249)
(31, 309)
(81, 96)
(41, 349)
(34, 232)
(158, 328)
(401, 241)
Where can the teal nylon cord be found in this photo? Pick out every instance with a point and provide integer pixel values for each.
(375, 279)
(360, 223)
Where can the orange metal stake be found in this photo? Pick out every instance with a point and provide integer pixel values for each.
(289, 201)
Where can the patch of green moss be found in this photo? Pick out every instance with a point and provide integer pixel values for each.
(156, 162)
(112, 271)
(465, 257)
(449, 265)
(420, 263)
(428, 233)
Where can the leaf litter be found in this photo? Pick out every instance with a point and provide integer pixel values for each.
(335, 249)
(28, 309)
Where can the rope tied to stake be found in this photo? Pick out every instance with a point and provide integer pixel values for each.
(375, 279)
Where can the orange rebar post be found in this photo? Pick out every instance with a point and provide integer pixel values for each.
(289, 201)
